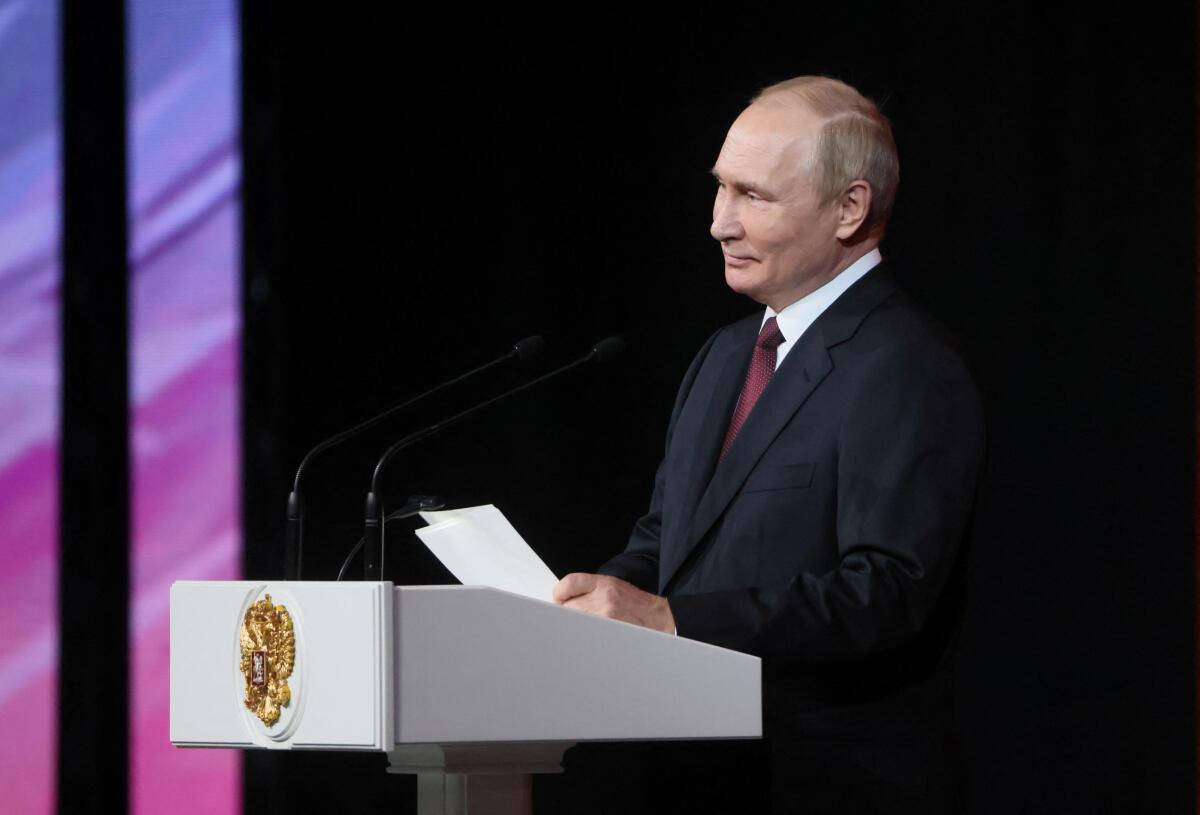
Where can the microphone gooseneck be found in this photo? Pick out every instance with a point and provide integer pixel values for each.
(602, 351)
(415, 504)
(294, 530)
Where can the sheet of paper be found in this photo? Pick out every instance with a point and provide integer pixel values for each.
(480, 547)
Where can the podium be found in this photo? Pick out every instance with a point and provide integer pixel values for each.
(470, 688)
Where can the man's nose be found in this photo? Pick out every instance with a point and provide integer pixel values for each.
(725, 224)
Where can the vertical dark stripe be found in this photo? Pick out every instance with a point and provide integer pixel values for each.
(94, 493)
(265, 483)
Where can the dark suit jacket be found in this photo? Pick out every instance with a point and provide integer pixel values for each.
(826, 541)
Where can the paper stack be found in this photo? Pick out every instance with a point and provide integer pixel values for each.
(480, 547)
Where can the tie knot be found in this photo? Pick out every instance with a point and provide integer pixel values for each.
(770, 336)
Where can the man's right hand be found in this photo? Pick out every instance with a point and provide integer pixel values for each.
(615, 599)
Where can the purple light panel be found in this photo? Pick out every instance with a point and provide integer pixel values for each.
(184, 220)
(29, 386)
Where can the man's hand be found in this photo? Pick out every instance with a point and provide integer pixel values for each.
(610, 597)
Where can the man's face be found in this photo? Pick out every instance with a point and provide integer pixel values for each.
(779, 243)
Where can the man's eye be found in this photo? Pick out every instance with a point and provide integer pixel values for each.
(753, 196)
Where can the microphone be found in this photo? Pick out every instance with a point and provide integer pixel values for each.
(294, 532)
(373, 535)
(606, 349)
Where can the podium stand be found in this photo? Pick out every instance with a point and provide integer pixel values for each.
(470, 688)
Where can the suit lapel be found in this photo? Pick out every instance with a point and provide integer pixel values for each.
(806, 366)
(730, 366)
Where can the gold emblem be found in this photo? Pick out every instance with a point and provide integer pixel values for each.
(268, 656)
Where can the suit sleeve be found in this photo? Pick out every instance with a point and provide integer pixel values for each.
(909, 455)
(638, 564)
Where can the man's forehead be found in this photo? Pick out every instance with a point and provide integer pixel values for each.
(767, 141)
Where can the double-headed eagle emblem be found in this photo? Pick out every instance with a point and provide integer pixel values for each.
(268, 656)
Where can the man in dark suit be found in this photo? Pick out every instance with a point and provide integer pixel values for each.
(820, 468)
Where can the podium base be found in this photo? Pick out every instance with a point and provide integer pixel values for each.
(480, 779)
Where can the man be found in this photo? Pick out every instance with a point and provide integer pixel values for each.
(820, 468)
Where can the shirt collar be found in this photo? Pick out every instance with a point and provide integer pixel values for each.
(795, 319)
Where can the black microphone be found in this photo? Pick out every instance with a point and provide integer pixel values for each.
(294, 533)
(602, 351)
(606, 349)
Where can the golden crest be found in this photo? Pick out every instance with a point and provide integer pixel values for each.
(268, 656)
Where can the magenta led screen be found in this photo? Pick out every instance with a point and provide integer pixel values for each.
(184, 226)
(29, 387)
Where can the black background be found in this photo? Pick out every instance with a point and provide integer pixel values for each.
(419, 196)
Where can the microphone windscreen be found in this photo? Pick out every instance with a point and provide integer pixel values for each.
(529, 347)
(607, 348)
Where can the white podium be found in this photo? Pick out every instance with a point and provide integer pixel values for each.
(471, 688)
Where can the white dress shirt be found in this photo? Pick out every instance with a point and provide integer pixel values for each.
(794, 320)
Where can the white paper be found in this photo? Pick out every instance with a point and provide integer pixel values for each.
(480, 547)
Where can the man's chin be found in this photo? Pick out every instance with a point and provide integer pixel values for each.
(741, 282)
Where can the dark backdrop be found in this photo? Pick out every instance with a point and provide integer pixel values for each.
(417, 197)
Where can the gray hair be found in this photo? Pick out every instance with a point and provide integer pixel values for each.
(855, 142)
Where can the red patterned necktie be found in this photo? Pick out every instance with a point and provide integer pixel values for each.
(762, 368)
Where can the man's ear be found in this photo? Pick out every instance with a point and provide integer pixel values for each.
(854, 204)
